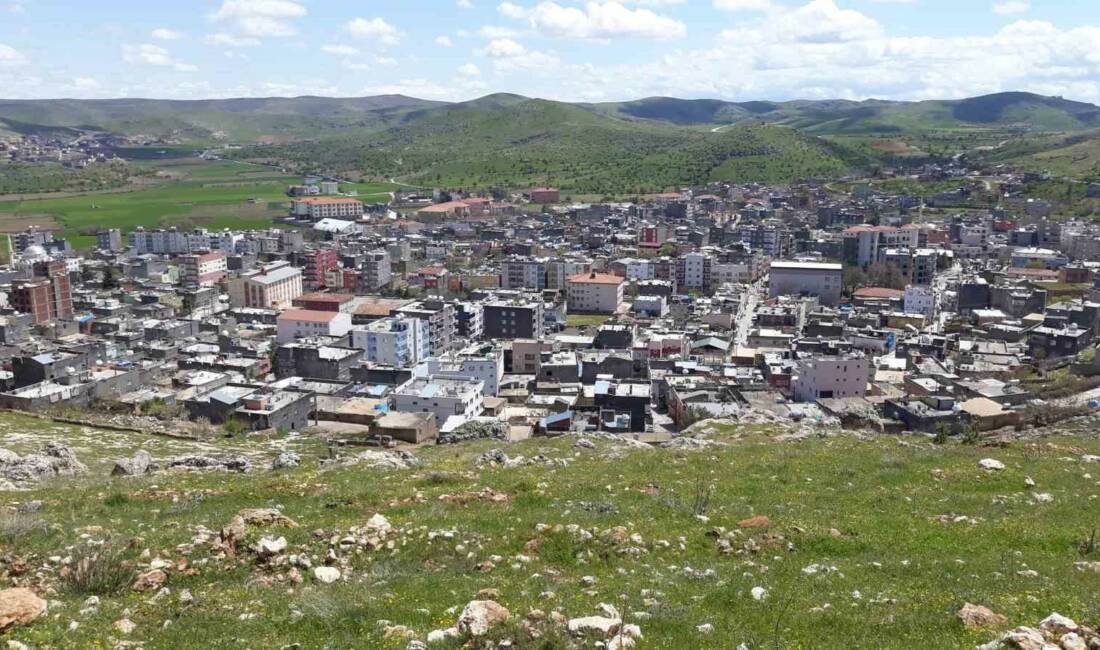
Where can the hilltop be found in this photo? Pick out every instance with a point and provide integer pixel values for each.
(513, 141)
(278, 118)
(753, 535)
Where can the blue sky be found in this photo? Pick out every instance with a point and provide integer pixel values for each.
(591, 50)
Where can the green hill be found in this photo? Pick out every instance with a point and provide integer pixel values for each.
(245, 119)
(1023, 111)
(514, 142)
(830, 541)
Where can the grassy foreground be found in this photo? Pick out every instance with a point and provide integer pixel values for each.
(872, 543)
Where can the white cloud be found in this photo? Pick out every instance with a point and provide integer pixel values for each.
(492, 31)
(375, 29)
(149, 54)
(742, 5)
(342, 50)
(10, 56)
(388, 61)
(260, 17)
(596, 20)
(425, 89)
(1011, 7)
(165, 34)
(230, 40)
(443, 41)
(469, 70)
(819, 21)
(464, 4)
(509, 55)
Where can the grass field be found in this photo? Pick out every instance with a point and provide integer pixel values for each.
(870, 543)
(585, 320)
(221, 194)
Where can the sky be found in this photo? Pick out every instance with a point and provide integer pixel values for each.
(573, 50)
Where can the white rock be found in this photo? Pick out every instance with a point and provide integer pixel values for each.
(1057, 624)
(268, 546)
(705, 628)
(125, 625)
(991, 463)
(600, 626)
(1073, 641)
(439, 636)
(1043, 497)
(480, 615)
(326, 574)
(759, 593)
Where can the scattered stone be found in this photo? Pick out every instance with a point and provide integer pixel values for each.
(584, 443)
(598, 626)
(475, 430)
(53, 459)
(1056, 624)
(233, 532)
(1073, 641)
(759, 521)
(705, 628)
(269, 546)
(1025, 638)
(286, 460)
(125, 626)
(326, 574)
(150, 581)
(991, 464)
(19, 606)
(198, 462)
(759, 593)
(480, 615)
(139, 465)
(975, 616)
(440, 636)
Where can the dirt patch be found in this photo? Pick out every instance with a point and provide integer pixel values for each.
(890, 146)
(11, 222)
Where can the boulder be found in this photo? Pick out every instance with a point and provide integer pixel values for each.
(53, 459)
(597, 626)
(326, 574)
(1073, 641)
(150, 580)
(1056, 624)
(991, 464)
(140, 464)
(19, 607)
(1025, 638)
(975, 616)
(286, 460)
(269, 546)
(195, 461)
(478, 616)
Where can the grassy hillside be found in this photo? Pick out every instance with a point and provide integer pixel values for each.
(867, 543)
(517, 142)
(1022, 111)
(201, 120)
(1069, 154)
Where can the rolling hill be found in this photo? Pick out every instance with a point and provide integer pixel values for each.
(512, 141)
(246, 119)
(1016, 110)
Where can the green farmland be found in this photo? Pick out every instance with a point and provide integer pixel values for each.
(193, 194)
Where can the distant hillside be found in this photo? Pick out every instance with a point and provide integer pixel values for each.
(513, 141)
(1024, 111)
(1064, 154)
(247, 119)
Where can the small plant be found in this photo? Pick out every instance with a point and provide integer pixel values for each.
(1088, 545)
(117, 499)
(102, 571)
(970, 436)
(943, 432)
(15, 527)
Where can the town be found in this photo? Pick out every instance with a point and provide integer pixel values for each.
(446, 315)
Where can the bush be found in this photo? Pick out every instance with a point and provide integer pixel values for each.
(15, 527)
(943, 431)
(102, 571)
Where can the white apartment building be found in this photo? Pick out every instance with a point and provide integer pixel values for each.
(730, 273)
(397, 341)
(824, 280)
(830, 377)
(639, 269)
(919, 300)
(295, 324)
(595, 293)
(447, 398)
(487, 368)
(695, 266)
(317, 208)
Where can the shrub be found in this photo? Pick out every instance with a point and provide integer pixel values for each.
(102, 571)
(16, 527)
